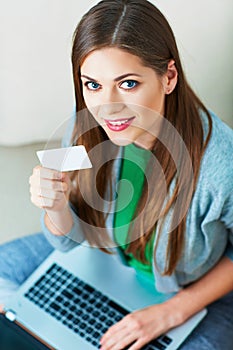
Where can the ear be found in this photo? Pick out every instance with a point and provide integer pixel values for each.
(170, 78)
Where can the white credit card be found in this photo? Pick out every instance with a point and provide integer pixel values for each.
(65, 159)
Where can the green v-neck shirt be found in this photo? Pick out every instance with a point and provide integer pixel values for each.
(132, 179)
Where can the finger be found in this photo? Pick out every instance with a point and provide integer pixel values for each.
(43, 203)
(48, 173)
(117, 327)
(46, 193)
(138, 344)
(1, 308)
(55, 185)
(120, 342)
(66, 177)
(117, 335)
(49, 194)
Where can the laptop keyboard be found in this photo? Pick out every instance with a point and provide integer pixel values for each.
(80, 307)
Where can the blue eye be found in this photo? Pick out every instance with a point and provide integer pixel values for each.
(129, 84)
(92, 85)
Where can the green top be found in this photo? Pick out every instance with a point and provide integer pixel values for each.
(133, 168)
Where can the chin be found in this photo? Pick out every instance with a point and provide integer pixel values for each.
(121, 141)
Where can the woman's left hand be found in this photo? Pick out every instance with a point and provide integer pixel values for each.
(139, 328)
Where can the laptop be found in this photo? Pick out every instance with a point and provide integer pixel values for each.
(73, 298)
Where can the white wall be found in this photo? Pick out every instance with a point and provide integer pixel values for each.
(203, 31)
(36, 88)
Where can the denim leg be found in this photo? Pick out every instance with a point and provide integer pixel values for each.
(20, 257)
(215, 332)
(7, 290)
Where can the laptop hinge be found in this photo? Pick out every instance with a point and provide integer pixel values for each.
(10, 315)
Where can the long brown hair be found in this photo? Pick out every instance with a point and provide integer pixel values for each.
(139, 28)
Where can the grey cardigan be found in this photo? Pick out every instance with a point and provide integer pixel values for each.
(209, 225)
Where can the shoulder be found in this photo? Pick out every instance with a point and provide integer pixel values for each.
(217, 163)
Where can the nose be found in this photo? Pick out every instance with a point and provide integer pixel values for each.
(111, 109)
(111, 103)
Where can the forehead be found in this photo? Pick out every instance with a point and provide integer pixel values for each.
(112, 62)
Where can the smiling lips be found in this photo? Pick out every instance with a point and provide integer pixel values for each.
(119, 124)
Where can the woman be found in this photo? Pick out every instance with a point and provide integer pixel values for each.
(140, 121)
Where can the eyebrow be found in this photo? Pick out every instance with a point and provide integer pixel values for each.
(116, 79)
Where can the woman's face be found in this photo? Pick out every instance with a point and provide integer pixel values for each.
(125, 97)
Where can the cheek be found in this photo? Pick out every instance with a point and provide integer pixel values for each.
(92, 102)
(155, 102)
(145, 97)
(88, 101)
(93, 109)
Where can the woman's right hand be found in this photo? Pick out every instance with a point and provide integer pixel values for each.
(50, 189)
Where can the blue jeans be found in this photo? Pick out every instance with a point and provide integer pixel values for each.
(19, 258)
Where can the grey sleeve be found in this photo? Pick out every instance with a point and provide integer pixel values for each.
(68, 241)
(227, 219)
